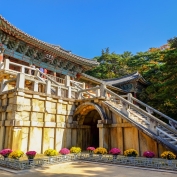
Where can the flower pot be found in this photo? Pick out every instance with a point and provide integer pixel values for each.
(100, 156)
(114, 157)
(30, 161)
(51, 159)
(90, 154)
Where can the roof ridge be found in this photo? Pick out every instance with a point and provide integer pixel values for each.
(49, 45)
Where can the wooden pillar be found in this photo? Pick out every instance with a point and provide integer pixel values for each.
(1, 52)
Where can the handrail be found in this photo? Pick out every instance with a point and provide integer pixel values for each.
(173, 138)
(156, 111)
(144, 112)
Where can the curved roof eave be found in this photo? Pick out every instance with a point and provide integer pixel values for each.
(12, 30)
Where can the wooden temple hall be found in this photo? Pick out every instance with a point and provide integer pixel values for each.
(47, 101)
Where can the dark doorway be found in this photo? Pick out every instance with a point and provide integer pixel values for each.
(91, 119)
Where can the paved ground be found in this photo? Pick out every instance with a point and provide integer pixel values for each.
(78, 169)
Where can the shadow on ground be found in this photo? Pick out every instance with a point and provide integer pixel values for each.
(82, 169)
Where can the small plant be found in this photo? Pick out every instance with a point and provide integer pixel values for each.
(148, 154)
(5, 152)
(131, 153)
(115, 151)
(90, 149)
(64, 151)
(75, 150)
(168, 155)
(16, 154)
(100, 150)
(50, 152)
(31, 154)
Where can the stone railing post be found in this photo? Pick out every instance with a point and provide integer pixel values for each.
(48, 87)
(37, 73)
(67, 81)
(22, 69)
(103, 91)
(67, 84)
(35, 86)
(83, 85)
(20, 82)
(58, 91)
(98, 92)
(6, 64)
(129, 97)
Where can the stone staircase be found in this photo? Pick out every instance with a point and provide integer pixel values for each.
(152, 126)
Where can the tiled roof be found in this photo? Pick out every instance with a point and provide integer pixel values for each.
(102, 82)
(126, 79)
(9, 28)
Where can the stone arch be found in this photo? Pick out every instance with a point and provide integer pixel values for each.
(83, 109)
(87, 116)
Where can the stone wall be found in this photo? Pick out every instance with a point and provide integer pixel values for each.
(35, 121)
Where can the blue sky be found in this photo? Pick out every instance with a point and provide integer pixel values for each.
(87, 26)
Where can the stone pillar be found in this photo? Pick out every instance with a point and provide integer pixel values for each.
(48, 87)
(20, 82)
(35, 86)
(103, 136)
(67, 84)
(102, 90)
(130, 97)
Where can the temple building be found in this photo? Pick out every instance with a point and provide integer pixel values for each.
(47, 101)
(132, 83)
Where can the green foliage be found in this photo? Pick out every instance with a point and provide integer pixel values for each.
(157, 65)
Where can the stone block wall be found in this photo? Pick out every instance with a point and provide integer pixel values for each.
(35, 121)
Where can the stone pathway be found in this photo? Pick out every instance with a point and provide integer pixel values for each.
(83, 169)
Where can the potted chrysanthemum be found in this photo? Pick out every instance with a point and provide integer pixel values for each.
(115, 152)
(90, 150)
(148, 154)
(5, 153)
(75, 151)
(16, 154)
(50, 153)
(130, 153)
(64, 152)
(101, 151)
(168, 155)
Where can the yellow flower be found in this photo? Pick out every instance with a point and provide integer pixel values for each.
(131, 152)
(168, 155)
(75, 150)
(100, 150)
(16, 154)
(50, 152)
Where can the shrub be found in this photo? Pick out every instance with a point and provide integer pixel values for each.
(115, 151)
(50, 152)
(100, 150)
(75, 150)
(131, 153)
(168, 155)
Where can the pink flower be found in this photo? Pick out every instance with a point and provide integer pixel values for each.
(64, 151)
(5, 152)
(31, 153)
(115, 151)
(148, 154)
(90, 148)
